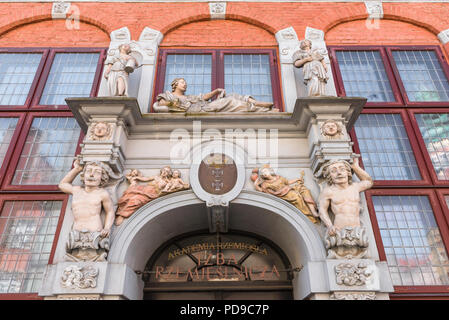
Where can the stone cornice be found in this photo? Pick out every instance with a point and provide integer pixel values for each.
(127, 110)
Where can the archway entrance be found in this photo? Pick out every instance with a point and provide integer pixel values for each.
(221, 266)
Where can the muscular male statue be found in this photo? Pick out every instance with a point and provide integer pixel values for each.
(89, 235)
(342, 195)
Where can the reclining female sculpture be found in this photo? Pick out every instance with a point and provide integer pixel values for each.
(177, 101)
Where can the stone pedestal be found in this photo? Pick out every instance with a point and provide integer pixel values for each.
(90, 281)
(313, 112)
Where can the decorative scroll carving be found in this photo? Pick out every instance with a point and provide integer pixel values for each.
(75, 277)
(168, 181)
(89, 238)
(353, 296)
(313, 66)
(349, 274)
(293, 191)
(345, 237)
(347, 243)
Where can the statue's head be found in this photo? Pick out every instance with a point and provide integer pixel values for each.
(95, 174)
(125, 47)
(176, 174)
(266, 172)
(337, 172)
(101, 129)
(331, 128)
(179, 82)
(166, 172)
(304, 44)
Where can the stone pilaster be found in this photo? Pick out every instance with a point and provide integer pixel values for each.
(314, 112)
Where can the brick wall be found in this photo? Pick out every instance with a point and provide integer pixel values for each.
(248, 24)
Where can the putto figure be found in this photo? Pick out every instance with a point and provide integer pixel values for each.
(118, 69)
(345, 236)
(177, 101)
(137, 195)
(293, 191)
(313, 66)
(89, 238)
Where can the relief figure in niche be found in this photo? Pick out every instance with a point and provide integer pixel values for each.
(89, 238)
(313, 66)
(293, 191)
(118, 69)
(177, 101)
(345, 236)
(137, 195)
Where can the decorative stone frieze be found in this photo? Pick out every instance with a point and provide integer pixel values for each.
(350, 274)
(217, 10)
(76, 277)
(353, 296)
(60, 9)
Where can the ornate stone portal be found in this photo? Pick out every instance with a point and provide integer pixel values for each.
(143, 142)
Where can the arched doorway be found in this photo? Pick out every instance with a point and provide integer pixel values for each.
(222, 266)
(168, 217)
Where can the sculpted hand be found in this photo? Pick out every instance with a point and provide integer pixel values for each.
(221, 92)
(106, 75)
(355, 164)
(104, 233)
(331, 231)
(77, 165)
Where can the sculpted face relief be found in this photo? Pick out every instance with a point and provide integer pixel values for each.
(92, 176)
(339, 173)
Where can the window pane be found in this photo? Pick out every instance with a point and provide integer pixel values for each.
(364, 75)
(7, 127)
(17, 71)
(385, 147)
(422, 75)
(248, 74)
(447, 201)
(196, 69)
(27, 230)
(71, 75)
(48, 152)
(415, 251)
(434, 129)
